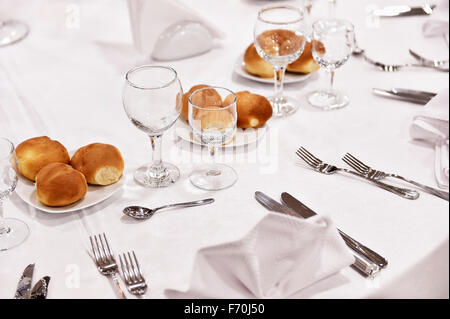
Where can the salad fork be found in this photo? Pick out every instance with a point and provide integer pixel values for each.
(398, 67)
(105, 261)
(377, 175)
(328, 169)
(132, 274)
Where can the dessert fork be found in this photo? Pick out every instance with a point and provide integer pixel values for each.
(373, 174)
(132, 274)
(398, 67)
(105, 261)
(328, 169)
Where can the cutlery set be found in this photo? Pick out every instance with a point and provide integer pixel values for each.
(107, 266)
(368, 174)
(24, 290)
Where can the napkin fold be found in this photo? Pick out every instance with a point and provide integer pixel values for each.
(150, 18)
(432, 126)
(278, 257)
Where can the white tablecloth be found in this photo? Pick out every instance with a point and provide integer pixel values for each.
(65, 81)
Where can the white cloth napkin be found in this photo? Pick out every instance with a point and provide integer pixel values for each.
(438, 26)
(278, 257)
(149, 18)
(432, 125)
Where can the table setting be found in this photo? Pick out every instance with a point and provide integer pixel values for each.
(252, 149)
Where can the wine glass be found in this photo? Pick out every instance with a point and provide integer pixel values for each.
(13, 232)
(12, 31)
(332, 43)
(152, 99)
(213, 118)
(279, 37)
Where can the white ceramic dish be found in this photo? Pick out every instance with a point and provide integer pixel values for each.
(239, 69)
(95, 194)
(241, 138)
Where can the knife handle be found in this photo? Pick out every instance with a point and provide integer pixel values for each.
(371, 255)
(367, 269)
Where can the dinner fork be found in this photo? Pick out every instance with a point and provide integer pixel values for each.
(328, 169)
(398, 67)
(132, 274)
(105, 261)
(421, 59)
(373, 174)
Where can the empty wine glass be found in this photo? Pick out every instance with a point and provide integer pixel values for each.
(152, 99)
(279, 37)
(12, 31)
(13, 232)
(213, 118)
(332, 45)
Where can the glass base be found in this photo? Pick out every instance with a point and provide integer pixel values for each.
(283, 106)
(17, 232)
(213, 177)
(170, 176)
(12, 31)
(327, 101)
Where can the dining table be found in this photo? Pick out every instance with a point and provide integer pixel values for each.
(65, 81)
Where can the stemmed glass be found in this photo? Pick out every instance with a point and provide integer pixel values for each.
(279, 37)
(213, 118)
(13, 232)
(332, 43)
(12, 31)
(152, 99)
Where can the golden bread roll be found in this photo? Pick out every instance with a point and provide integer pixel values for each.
(35, 153)
(256, 65)
(206, 98)
(306, 63)
(279, 42)
(253, 110)
(101, 164)
(59, 184)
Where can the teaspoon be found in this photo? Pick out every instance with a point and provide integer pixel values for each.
(139, 212)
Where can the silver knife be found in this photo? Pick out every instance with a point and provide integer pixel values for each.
(40, 289)
(306, 212)
(402, 11)
(362, 266)
(24, 285)
(401, 94)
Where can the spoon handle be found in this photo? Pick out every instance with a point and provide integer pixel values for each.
(188, 204)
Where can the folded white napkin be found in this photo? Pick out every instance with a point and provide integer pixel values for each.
(439, 25)
(432, 125)
(278, 257)
(150, 18)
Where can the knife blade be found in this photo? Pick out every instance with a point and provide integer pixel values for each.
(403, 10)
(304, 210)
(24, 285)
(40, 289)
(409, 97)
(362, 266)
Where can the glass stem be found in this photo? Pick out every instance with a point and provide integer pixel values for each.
(278, 73)
(156, 170)
(332, 8)
(212, 152)
(330, 88)
(3, 228)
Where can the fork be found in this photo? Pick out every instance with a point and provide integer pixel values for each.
(105, 261)
(373, 174)
(328, 169)
(398, 67)
(132, 274)
(421, 59)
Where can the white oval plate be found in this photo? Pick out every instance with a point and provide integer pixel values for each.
(239, 69)
(95, 194)
(241, 138)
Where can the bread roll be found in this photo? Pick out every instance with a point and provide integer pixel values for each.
(253, 110)
(101, 164)
(35, 153)
(256, 65)
(59, 184)
(306, 63)
(207, 98)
